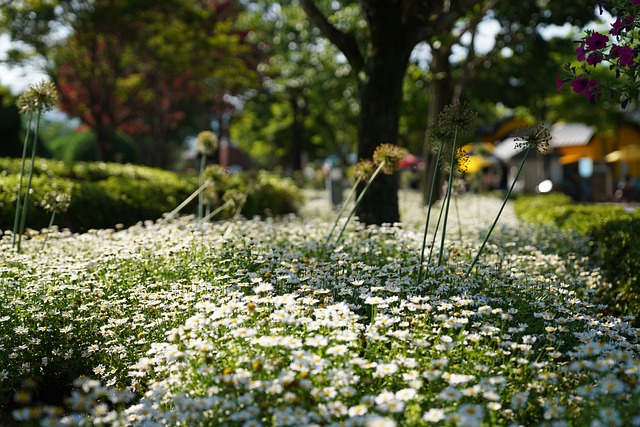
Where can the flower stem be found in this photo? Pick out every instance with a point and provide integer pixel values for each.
(16, 222)
(343, 208)
(435, 232)
(475, 260)
(455, 205)
(426, 224)
(449, 186)
(188, 200)
(46, 234)
(203, 163)
(25, 206)
(217, 210)
(359, 199)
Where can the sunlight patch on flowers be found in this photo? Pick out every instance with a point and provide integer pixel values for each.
(183, 323)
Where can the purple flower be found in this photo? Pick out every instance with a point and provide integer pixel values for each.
(580, 84)
(559, 82)
(581, 53)
(635, 1)
(587, 86)
(625, 53)
(597, 41)
(593, 90)
(621, 25)
(594, 58)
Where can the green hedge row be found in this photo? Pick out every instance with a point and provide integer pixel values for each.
(615, 236)
(82, 146)
(102, 194)
(106, 194)
(266, 194)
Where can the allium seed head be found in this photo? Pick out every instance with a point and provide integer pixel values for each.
(56, 201)
(535, 137)
(390, 155)
(38, 98)
(206, 142)
(363, 170)
(460, 117)
(454, 122)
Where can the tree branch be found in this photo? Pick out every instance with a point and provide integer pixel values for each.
(344, 41)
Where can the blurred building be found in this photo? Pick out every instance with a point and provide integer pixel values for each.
(582, 162)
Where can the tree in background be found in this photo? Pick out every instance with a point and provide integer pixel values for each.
(379, 57)
(10, 123)
(140, 66)
(515, 71)
(303, 108)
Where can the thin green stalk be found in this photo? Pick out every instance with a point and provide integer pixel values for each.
(217, 210)
(343, 208)
(449, 186)
(506, 198)
(235, 216)
(455, 205)
(435, 232)
(46, 234)
(426, 224)
(359, 199)
(193, 195)
(16, 222)
(203, 163)
(25, 206)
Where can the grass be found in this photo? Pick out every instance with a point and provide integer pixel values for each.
(249, 323)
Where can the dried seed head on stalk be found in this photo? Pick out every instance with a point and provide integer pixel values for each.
(460, 117)
(38, 98)
(390, 155)
(206, 142)
(461, 161)
(363, 170)
(536, 137)
(56, 201)
(454, 122)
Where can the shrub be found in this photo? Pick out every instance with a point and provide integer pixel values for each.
(268, 194)
(106, 194)
(81, 146)
(615, 237)
(618, 244)
(102, 194)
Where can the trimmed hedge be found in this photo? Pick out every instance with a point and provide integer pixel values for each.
(267, 194)
(104, 195)
(82, 146)
(615, 236)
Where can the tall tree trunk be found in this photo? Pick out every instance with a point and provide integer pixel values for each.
(440, 95)
(380, 101)
(105, 140)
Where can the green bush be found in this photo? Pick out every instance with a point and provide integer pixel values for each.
(106, 194)
(560, 210)
(102, 194)
(82, 146)
(619, 251)
(267, 194)
(615, 237)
